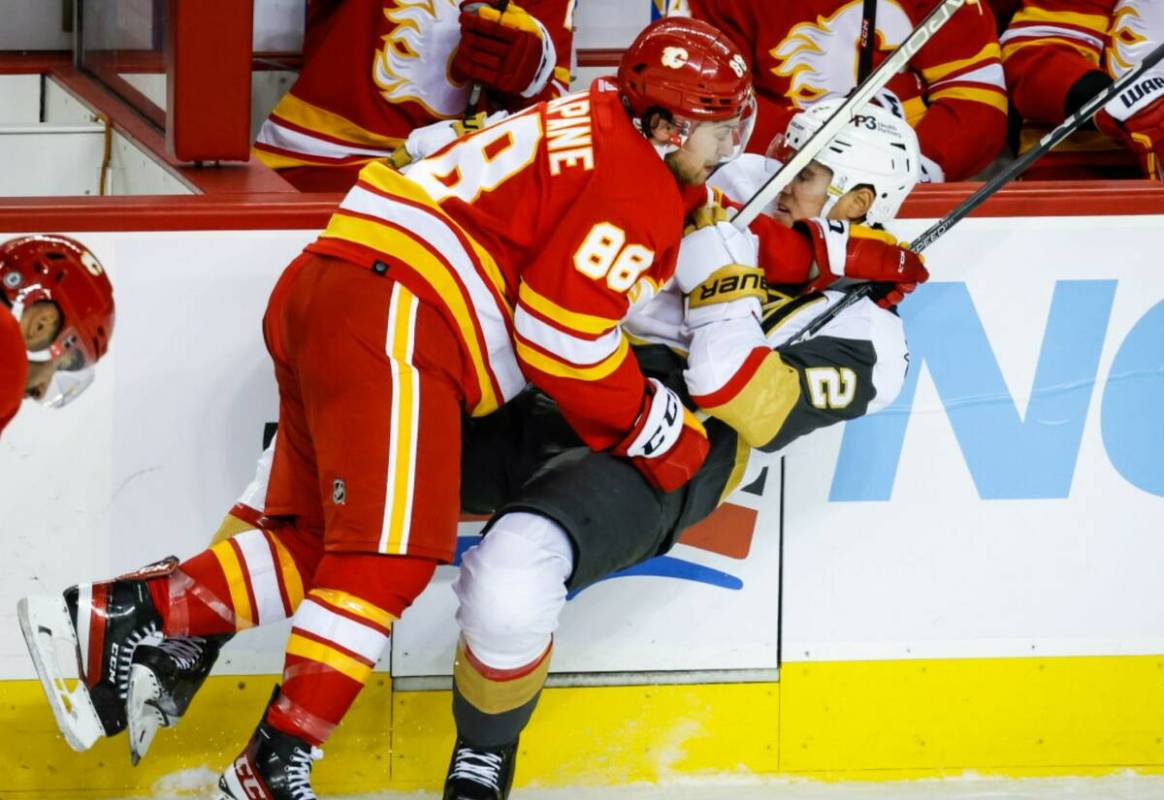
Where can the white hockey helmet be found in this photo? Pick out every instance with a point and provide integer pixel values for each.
(877, 149)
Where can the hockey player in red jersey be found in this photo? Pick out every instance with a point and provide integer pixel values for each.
(511, 255)
(866, 175)
(373, 70)
(803, 52)
(56, 317)
(1059, 54)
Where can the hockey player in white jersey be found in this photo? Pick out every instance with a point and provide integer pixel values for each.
(583, 517)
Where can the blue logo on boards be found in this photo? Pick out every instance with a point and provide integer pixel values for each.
(1013, 456)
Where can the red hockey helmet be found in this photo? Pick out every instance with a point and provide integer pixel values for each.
(687, 67)
(61, 270)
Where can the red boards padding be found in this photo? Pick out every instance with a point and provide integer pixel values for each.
(208, 79)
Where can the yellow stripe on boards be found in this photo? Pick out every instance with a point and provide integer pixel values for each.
(856, 721)
(236, 579)
(561, 369)
(990, 97)
(1011, 716)
(354, 605)
(184, 762)
(436, 274)
(292, 581)
(320, 653)
(609, 735)
(934, 74)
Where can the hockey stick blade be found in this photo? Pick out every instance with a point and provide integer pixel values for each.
(860, 96)
(1016, 168)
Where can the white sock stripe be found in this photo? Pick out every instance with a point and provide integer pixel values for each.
(340, 630)
(264, 580)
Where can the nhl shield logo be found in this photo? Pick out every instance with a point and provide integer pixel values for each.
(339, 492)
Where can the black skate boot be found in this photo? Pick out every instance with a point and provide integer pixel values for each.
(275, 766)
(162, 682)
(101, 624)
(477, 773)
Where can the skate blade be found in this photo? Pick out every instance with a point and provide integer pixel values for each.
(144, 717)
(45, 623)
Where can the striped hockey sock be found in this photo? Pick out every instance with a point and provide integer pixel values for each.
(493, 706)
(253, 578)
(338, 634)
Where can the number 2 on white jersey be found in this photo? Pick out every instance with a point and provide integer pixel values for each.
(481, 162)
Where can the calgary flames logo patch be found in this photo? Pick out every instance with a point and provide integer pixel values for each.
(675, 57)
(819, 57)
(424, 32)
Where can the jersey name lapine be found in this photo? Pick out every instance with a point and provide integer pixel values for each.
(568, 138)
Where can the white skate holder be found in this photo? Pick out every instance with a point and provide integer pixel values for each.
(48, 632)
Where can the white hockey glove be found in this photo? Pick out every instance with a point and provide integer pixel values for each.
(425, 141)
(717, 271)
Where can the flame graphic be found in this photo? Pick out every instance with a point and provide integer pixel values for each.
(820, 57)
(425, 34)
(1128, 31)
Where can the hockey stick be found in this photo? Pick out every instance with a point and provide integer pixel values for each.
(864, 92)
(868, 38)
(939, 228)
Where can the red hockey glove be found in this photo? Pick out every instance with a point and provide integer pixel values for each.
(1136, 118)
(667, 444)
(860, 253)
(508, 51)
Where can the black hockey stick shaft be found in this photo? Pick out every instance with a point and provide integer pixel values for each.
(1016, 168)
(868, 39)
(864, 93)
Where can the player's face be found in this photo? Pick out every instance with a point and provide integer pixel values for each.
(40, 324)
(805, 197)
(707, 146)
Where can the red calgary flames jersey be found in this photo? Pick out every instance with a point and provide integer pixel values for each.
(1049, 46)
(808, 50)
(533, 236)
(375, 69)
(13, 366)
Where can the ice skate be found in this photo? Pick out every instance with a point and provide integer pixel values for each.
(477, 773)
(162, 681)
(88, 637)
(274, 766)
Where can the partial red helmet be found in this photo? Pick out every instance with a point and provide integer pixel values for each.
(47, 267)
(687, 67)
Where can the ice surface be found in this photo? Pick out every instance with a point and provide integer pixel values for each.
(1111, 787)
